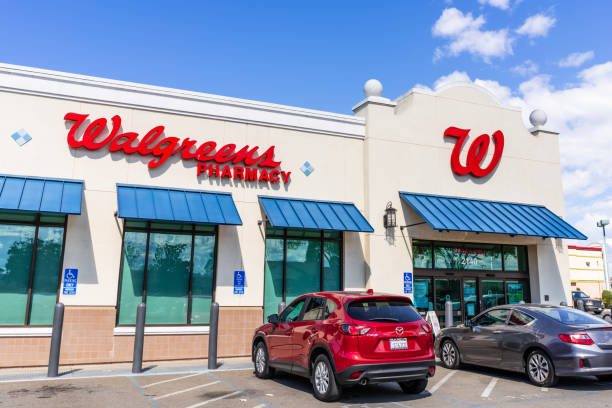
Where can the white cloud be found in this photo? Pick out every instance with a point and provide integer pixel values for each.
(581, 113)
(500, 4)
(465, 34)
(576, 59)
(527, 68)
(456, 76)
(537, 25)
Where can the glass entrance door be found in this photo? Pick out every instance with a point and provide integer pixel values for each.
(470, 298)
(493, 293)
(517, 291)
(445, 290)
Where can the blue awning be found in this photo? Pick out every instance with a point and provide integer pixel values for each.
(40, 195)
(462, 214)
(311, 214)
(177, 205)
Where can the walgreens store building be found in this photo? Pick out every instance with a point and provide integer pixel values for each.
(115, 193)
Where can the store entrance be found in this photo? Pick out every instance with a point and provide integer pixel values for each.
(469, 294)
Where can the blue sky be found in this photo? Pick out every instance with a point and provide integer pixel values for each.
(318, 55)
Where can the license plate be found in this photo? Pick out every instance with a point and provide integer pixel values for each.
(398, 344)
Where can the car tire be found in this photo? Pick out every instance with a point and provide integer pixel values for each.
(605, 378)
(261, 362)
(323, 380)
(607, 318)
(414, 387)
(540, 369)
(449, 354)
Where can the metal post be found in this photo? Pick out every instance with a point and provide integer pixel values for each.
(605, 259)
(448, 314)
(212, 336)
(141, 313)
(580, 304)
(56, 340)
(281, 307)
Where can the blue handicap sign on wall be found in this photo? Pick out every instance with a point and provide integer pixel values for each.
(239, 282)
(408, 282)
(70, 281)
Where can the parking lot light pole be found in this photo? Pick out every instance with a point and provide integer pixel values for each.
(602, 224)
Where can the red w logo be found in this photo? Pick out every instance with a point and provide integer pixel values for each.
(476, 153)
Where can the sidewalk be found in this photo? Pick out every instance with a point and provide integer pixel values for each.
(123, 369)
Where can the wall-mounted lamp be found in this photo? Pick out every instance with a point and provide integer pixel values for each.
(389, 219)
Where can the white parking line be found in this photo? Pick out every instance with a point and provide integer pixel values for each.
(544, 389)
(199, 404)
(441, 382)
(186, 390)
(172, 379)
(259, 406)
(487, 391)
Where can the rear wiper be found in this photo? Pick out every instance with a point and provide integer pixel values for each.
(384, 319)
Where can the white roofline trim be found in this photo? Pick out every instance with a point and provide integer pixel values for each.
(34, 81)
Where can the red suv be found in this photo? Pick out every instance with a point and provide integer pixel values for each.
(344, 338)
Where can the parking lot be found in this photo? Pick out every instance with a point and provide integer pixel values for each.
(471, 387)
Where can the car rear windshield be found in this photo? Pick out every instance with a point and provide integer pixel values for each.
(569, 316)
(383, 310)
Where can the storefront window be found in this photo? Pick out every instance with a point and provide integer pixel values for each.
(174, 276)
(422, 255)
(468, 256)
(28, 284)
(462, 256)
(298, 262)
(515, 258)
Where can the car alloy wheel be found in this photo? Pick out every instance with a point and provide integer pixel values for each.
(539, 368)
(449, 355)
(260, 360)
(321, 378)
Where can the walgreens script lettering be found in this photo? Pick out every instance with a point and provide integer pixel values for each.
(476, 153)
(128, 142)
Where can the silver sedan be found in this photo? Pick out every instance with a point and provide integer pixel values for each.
(543, 341)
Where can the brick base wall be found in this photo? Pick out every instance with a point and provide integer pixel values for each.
(88, 338)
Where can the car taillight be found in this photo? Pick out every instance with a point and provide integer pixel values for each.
(353, 329)
(576, 338)
(426, 328)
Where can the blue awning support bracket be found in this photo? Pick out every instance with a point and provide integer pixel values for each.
(444, 213)
(284, 212)
(176, 205)
(40, 195)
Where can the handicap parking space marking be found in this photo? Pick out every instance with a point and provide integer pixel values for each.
(245, 392)
(440, 383)
(171, 394)
(170, 380)
(544, 389)
(200, 404)
(487, 391)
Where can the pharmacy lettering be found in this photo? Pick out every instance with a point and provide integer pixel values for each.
(94, 138)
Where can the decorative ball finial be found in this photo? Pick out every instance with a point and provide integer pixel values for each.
(372, 87)
(538, 118)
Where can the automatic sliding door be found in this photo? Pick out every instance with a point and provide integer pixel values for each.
(448, 289)
(470, 298)
(493, 293)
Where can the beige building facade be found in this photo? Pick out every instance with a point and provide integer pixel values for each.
(315, 221)
(586, 269)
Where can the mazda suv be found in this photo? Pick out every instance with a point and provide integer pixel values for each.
(340, 339)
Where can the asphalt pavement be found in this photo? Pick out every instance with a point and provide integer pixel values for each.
(235, 385)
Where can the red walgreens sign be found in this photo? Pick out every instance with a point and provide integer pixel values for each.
(476, 153)
(162, 148)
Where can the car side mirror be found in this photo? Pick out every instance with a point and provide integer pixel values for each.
(468, 323)
(273, 318)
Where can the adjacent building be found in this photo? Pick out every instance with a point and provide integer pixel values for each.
(586, 269)
(116, 193)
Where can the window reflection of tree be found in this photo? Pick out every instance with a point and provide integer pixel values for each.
(17, 266)
(168, 269)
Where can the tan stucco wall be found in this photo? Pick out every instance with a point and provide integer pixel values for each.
(405, 151)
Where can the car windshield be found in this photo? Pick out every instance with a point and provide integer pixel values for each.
(580, 295)
(383, 310)
(569, 316)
